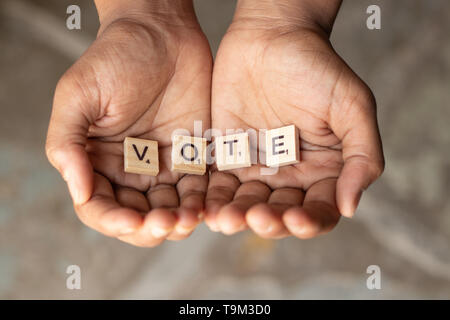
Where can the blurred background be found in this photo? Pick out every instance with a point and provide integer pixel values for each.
(402, 225)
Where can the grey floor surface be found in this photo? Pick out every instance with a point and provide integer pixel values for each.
(402, 225)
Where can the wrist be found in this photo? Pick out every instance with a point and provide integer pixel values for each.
(175, 12)
(318, 15)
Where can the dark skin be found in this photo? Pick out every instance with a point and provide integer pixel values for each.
(272, 72)
(143, 77)
(150, 72)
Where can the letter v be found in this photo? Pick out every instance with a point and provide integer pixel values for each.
(141, 157)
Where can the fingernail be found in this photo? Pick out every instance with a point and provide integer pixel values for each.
(65, 176)
(158, 232)
(127, 231)
(350, 211)
(232, 230)
(214, 227)
(74, 193)
(299, 229)
(184, 230)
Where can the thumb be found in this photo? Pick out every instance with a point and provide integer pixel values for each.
(66, 141)
(355, 124)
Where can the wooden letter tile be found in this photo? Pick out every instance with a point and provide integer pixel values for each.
(232, 151)
(141, 156)
(189, 154)
(282, 146)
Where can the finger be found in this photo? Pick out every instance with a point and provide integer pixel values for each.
(287, 196)
(162, 222)
(192, 190)
(231, 217)
(317, 215)
(66, 140)
(102, 212)
(132, 198)
(221, 190)
(158, 224)
(187, 220)
(163, 196)
(266, 219)
(361, 149)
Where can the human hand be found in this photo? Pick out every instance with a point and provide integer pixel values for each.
(147, 74)
(276, 67)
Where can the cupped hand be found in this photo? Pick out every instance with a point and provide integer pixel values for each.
(267, 77)
(141, 78)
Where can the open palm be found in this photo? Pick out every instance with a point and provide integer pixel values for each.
(136, 81)
(266, 79)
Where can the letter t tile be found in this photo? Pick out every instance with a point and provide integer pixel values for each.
(233, 151)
